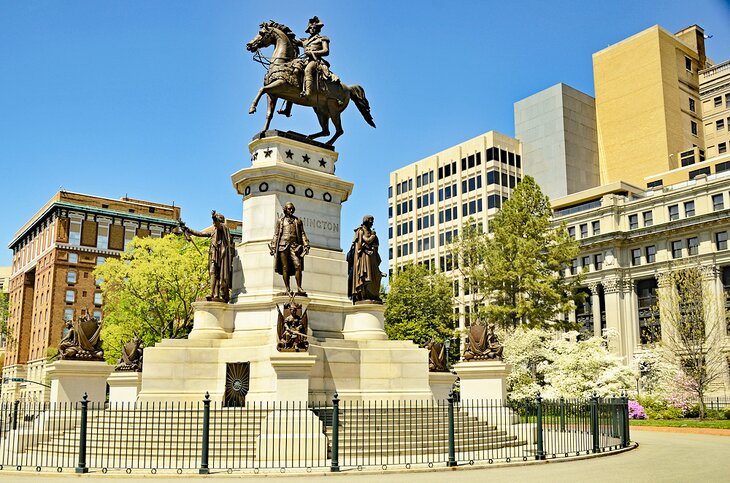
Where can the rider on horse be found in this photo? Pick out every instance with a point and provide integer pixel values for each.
(315, 48)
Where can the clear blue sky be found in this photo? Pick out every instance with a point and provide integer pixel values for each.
(150, 98)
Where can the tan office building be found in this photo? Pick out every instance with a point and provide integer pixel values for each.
(430, 200)
(51, 280)
(648, 102)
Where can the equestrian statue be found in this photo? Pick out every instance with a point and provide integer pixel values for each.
(306, 80)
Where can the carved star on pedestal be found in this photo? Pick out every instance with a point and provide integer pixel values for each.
(322, 162)
(305, 158)
(289, 154)
(255, 155)
(267, 152)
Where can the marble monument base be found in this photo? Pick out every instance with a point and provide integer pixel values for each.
(483, 379)
(124, 386)
(441, 384)
(71, 379)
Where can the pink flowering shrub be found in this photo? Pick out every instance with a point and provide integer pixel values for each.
(636, 410)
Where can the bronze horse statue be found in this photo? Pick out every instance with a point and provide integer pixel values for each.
(284, 79)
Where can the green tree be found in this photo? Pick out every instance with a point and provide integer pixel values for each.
(418, 306)
(150, 290)
(517, 269)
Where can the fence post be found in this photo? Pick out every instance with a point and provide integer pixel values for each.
(594, 423)
(562, 414)
(335, 465)
(540, 454)
(81, 466)
(452, 446)
(625, 420)
(16, 404)
(204, 470)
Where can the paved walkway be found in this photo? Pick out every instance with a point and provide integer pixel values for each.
(661, 457)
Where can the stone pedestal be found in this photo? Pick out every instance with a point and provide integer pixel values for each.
(365, 322)
(441, 384)
(483, 379)
(212, 320)
(124, 386)
(71, 379)
(292, 435)
(292, 375)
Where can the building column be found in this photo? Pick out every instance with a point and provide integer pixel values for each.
(614, 305)
(665, 296)
(595, 308)
(630, 323)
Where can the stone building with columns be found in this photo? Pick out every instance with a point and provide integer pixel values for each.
(51, 278)
(631, 238)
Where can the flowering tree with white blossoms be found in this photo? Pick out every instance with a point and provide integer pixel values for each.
(554, 365)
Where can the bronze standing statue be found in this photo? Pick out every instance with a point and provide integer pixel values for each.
(289, 247)
(363, 261)
(220, 256)
(305, 82)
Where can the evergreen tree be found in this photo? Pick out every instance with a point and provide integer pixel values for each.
(517, 269)
(418, 306)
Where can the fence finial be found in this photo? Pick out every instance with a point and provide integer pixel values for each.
(207, 395)
(86, 396)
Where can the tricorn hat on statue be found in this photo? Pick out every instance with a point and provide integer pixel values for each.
(314, 24)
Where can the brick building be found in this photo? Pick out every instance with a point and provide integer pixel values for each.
(51, 279)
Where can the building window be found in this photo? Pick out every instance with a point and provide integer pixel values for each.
(674, 212)
(636, 256)
(73, 258)
(97, 298)
(693, 245)
(693, 127)
(596, 226)
(717, 101)
(571, 232)
(649, 324)
(721, 148)
(721, 240)
(585, 263)
(574, 266)
(100, 260)
(651, 254)
(720, 124)
(102, 236)
(598, 261)
(97, 315)
(689, 208)
(71, 277)
(688, 63)
(74, 233)
(717, 202)
(692, 105)
(68, 314)
(677, 249)
(633, 222)
(70, 296)
(648, 218)
(584, 230)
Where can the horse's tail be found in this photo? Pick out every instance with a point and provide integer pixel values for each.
(358, 95)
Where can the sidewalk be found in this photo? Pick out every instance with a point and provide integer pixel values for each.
(661, 457)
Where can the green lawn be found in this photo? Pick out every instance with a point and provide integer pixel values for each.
(683, 423)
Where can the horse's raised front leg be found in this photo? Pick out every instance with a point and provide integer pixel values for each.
(264, 90)
(271, 105)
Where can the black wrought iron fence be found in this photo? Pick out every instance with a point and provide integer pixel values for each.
(204, 436)
(716, 403)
